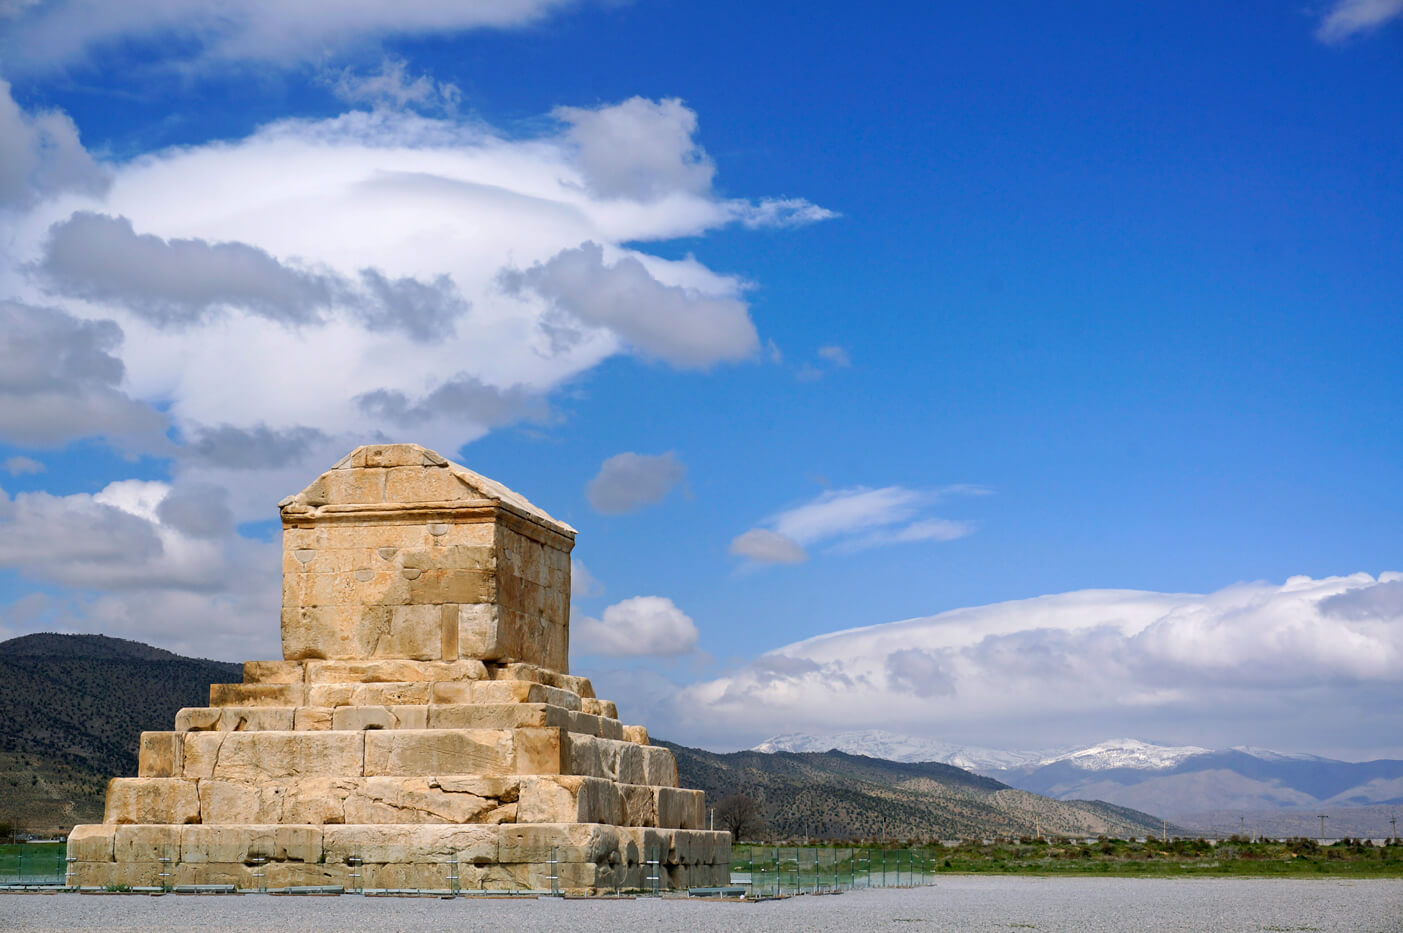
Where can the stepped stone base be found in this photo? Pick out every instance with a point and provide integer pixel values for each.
(423, 713)
(591, 859)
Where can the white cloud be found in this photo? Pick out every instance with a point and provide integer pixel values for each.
(628, 481)
(688, 328)
(1347, 18)
(768, 547)
(376, 244)
(48, 35)
(855, 519)
(583, 584)
(835, 355)
(142, 560)
(640, 149)
(643, 625)
(19, 466)
(40, 155)
(392, 87)
(1073, 666)
(60, 379)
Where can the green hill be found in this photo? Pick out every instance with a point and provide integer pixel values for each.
(73, 708)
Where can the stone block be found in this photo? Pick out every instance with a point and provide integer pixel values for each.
(573, 842)
(415, 632)
(146, 843)
(274, 672)
(152, 800)
(393, 671)
(304, 800)
(254, 756)
(256, 695)
(680, 809)
(409, 843)
(234, 719)
(638, 735)
(640, 804)
(569, 799)
(312, 719)
(659, 767)
(452, 586)
(92, 843)
(380, 717)
(596, 707)
(439, 751)
(386, 800)
(479, 634)
(541, 750)
(159, 754)
(416, 484)
(246, 842)
(495, 715)
(398, 694)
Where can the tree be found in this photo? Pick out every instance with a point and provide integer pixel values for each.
(740, 815)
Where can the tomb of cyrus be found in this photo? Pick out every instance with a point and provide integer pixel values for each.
(422, 723)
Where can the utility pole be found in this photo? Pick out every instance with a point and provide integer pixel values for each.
(1242, 827)
(1323, 818)
(1393, 821)
(1163, 830)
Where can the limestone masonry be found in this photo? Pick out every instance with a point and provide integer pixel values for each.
(422, 730)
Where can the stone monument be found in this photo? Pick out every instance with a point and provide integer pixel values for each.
(422, 730)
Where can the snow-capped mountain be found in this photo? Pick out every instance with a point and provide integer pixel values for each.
(1192, 785)
(1124, 753)
(875, 743)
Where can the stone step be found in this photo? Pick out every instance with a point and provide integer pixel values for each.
(404, 716)
(465, 798)
(408, 752)
(587, 857)
(400, 671)
(399, 693)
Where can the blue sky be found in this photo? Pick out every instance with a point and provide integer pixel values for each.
(808, 318)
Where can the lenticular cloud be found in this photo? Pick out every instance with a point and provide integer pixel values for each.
(325, 277)
(1086, 662)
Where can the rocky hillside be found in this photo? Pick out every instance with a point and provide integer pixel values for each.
(840, 796)
(71, 710)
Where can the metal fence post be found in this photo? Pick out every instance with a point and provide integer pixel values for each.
(165, 872)
(453, 875)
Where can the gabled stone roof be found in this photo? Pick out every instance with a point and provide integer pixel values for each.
(391, 474)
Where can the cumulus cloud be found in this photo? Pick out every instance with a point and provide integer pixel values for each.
(60, 379)
(640, 149)
(257, 447)
(180, 282)
(41, 155)
(1070, 667)
(1348, 18)
(855, 519)
(643, 625)
(20, 466)
(142, 560)
(628, 481)
(684, 326)
(53, 34)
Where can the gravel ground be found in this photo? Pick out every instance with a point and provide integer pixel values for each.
(1094, 905)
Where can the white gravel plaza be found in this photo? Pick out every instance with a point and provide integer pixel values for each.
(955, 903)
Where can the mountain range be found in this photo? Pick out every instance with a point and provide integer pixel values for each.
(1219, 790)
